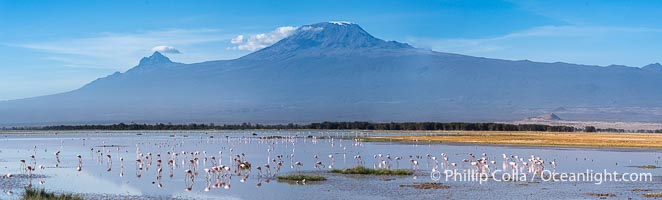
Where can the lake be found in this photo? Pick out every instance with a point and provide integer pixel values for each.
(101, 176)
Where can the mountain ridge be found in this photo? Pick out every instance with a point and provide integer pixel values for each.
(339, 72)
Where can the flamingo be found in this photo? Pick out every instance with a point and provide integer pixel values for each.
(358, 159)
(319, 165)
(474, 165)
(34, 160)
(110, 161)
(30, 169)
(23, 165)
(414, 164)
(436, 163)
(397, 161)
(331, 161)
(267, 169)
(298, 165)
(80, 162)
(57, 159)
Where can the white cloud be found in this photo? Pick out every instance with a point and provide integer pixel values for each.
(120, 51)
(166, 49)
(237, 40)
(262, 40)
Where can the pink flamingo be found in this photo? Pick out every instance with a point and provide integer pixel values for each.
(80, 162)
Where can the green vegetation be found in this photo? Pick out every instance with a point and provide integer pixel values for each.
(406, 126)
(409, 126)
(368, 171)
(429, 126)
(301, 177)
(601, 195)
(41, 194)
(590, 129)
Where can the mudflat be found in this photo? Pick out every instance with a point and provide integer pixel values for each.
(570, 139)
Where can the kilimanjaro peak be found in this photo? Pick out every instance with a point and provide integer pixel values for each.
(332, 35)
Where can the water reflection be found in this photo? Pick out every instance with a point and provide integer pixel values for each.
(208, 162)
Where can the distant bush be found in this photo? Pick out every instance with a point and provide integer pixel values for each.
(408, 126)
(368, 171)
(589, 129)
(301, 177)
(41, 194)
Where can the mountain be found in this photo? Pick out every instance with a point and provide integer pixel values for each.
(337, 71)
(653, 67)
(546, 116)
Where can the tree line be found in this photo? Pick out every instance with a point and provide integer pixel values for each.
(441, 126)
(411, 126)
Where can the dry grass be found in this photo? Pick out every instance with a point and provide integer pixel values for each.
(646, 166)
(575, 139)
(653, 195)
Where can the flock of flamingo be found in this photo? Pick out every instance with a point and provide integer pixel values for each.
(218, 168)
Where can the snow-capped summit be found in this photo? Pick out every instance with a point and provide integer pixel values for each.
(326, 37)
(335, 35)
(340, 23)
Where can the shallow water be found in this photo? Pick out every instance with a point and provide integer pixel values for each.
(100, 179)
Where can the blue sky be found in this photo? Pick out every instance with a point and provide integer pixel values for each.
(48, 47)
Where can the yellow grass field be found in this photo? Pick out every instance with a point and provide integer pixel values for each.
(608, 140)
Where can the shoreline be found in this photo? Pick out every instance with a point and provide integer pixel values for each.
(535, 139)
(515, 138)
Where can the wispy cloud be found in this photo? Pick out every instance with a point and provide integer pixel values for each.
(484, 44)
(237, 40)
(550, 43)
(262, 40)
(166, 49)
(121, 50)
